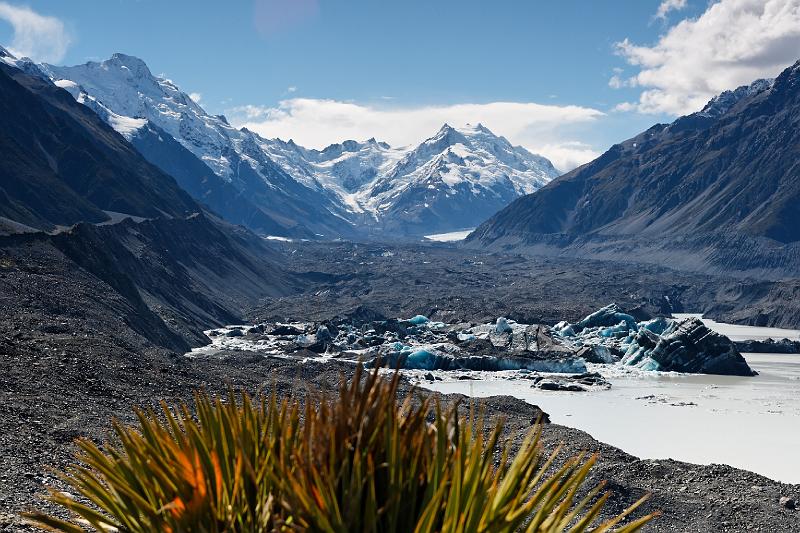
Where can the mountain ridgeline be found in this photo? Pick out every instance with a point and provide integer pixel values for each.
(454, 180)
(115, 225)
(61, 164)
(717, 190)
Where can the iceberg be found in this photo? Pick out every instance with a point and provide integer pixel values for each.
(608, 316)
(502, 326)
(688, 345)
(419, 320)
(661, 344)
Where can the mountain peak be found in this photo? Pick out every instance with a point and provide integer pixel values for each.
(477, 128)
(132, 63)
(446, 128)
(722, 103)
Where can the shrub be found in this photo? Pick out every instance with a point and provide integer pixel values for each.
(356, 462)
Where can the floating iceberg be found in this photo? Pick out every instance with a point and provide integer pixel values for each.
(662, 344)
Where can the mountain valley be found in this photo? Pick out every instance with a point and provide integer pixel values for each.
(149, 249)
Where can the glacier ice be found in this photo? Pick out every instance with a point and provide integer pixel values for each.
(502, 325)
(670, 345)
(608, 336)
(418, 320)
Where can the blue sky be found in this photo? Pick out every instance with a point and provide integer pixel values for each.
(580, 74)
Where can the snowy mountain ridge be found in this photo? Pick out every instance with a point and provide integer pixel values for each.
(356, 183)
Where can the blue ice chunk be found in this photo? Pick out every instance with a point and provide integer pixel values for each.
(502, 326)
(610, 315)
(466, 337)
(419, 320)
(323, 334)
(649, 364)
(657, 325)
(614, 331)
(567, 332)
(421, 360)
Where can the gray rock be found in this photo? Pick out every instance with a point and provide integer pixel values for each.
(788, 503)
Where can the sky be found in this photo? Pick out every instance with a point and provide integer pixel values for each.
(565, 78)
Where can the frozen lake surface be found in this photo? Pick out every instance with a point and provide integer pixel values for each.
(453, 236)
(747, 422)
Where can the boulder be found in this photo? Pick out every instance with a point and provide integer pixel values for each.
(285, 329)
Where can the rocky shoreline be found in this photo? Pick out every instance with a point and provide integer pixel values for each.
(691, 497)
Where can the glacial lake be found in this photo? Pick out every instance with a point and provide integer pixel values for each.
(746, 422)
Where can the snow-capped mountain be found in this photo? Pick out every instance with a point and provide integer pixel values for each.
(454, 180)
(124, 92)
(450, 181)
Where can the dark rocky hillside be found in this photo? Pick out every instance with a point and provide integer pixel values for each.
(194, 176)
(61, 164)
(716, 190)
(174, 277)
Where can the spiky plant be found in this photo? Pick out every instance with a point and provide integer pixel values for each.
(356, 462)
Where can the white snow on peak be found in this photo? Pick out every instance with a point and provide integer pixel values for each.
(125, 86)
(723, 102)
(467, 157)
(25, 64)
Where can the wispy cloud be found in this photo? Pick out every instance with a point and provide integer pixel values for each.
(197, 97)
(544, 129)
(40, 37)
(669, 5)
(732, 43)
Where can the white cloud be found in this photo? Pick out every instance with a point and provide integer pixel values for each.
(317, 123)
(733, 43)
(196, 97)
(669, 5)
(39, 37)
(291, 89)
(568, 155)
(625, 107)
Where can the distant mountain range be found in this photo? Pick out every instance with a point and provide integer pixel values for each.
(454, 180)
(717, 190)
